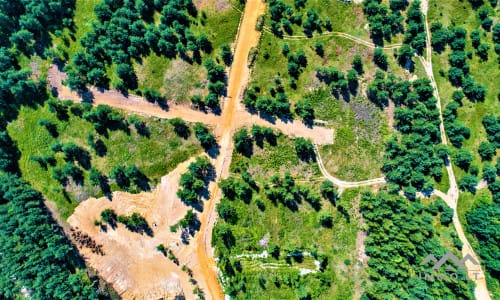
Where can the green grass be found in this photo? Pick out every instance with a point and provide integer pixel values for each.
(300, 230)
(444, 184)
(84, 16)
(155, 156)
(471, 114)
(345, 17)
(359, 145)
(267, 160)
(178, 80)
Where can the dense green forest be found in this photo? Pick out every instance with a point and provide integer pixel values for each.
(400, 236)
(413, 161)
(35, 256)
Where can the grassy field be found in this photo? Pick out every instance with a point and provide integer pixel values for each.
(177, 79)
(301, 231)
(345, 17)
(84, 16)
(444, 184)
(360, 127)
(155, 155)
(360, 132)
(471, 114)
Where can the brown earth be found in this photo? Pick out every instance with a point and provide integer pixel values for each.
(133, 265)
(131, 262)
(248, 37)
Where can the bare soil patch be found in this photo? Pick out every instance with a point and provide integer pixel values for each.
(131, 263)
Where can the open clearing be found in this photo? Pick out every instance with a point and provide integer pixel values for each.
(131, 262)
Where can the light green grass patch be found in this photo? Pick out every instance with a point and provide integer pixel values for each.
(471, 114)
(84, 16)
(360, 134)
(154, 156)
(178, 80)
(294, 229)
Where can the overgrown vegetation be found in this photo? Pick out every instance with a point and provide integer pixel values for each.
(264, 188)
(97, 150)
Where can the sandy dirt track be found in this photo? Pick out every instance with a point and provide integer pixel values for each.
(248, 37)
(241, 117)
(475, 273)
(131, 262)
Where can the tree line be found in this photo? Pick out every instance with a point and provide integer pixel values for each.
(35, 254)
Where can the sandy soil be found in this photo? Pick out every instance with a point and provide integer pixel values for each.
(248, 37)
(139, 105)
(131, 262)
(130, 103)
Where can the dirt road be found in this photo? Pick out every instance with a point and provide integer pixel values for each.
(248, 37)
(131, 103)
(139, 105)
(475, 273)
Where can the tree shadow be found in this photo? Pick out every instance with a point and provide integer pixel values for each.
(214, 151)
(142, 129)
(86, 95)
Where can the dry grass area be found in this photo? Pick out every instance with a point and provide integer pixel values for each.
(131, 263)
(216, 5)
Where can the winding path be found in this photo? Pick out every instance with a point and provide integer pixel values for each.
(341, 183)
(338, 34)
(475, 272)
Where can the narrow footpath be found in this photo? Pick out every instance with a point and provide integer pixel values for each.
(475, 272)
